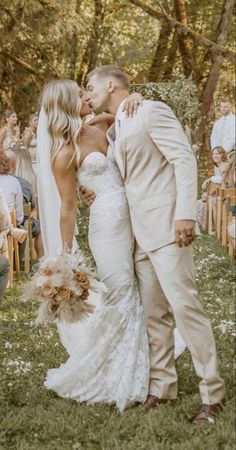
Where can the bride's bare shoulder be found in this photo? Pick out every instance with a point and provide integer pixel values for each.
(64, 158)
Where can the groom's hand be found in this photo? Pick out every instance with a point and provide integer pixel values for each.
(87, 195)
(184, 232)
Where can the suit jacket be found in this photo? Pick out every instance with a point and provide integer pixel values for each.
(159, 170)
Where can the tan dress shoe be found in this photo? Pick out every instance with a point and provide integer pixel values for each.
(153, 401)
(207, 414)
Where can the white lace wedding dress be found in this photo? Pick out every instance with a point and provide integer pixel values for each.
(109, 358)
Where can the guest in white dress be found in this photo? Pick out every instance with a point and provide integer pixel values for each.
(29, 139)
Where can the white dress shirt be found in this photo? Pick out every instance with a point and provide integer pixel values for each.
(223, 133)
(13, 194)
(120, 116)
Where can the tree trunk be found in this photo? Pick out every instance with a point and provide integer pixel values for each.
(202, 40)
(214, 73)
(92, 48)
(155, 71)
(77, 6)
(171, 57)
(10, 31)
(184, 41)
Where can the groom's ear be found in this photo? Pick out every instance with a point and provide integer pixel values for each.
(111, 86)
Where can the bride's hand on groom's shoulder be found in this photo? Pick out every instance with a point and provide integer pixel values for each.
(87, 195)
(132, 103)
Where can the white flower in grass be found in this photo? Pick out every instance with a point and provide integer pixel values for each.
(20, 366)
(8, 345)
(226, 327)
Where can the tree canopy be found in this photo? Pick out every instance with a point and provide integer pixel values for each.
(154, 41)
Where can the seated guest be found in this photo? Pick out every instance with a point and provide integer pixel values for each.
(4, 272)
(28, 197)
(202, 210)
(5, 223)
(229, 176)
(5, 228)
(229, 181)
(11, 188)
(220, 161)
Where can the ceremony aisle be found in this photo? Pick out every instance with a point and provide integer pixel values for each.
(35, 419)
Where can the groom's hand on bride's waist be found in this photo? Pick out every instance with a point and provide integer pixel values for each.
(184, 232)
(87, 195)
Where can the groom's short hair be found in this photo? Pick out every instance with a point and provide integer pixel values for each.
(110, 71)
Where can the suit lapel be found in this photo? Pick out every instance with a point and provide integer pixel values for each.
(117, 149)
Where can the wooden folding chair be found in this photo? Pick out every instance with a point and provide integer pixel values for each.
(230, 248)
(219, 204)
(37, 205)
(10, 249)
(226, 214)
(16, 259)
(211, 207)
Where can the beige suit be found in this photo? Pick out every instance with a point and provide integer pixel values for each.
(159, 171)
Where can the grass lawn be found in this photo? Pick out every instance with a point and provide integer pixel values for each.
(34, 419)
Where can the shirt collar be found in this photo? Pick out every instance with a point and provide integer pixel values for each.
(119, 113)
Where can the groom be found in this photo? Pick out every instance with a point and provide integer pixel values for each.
(160, 176)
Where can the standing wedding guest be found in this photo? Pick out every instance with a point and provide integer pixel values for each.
(10, 132)
(11, 188)
(223, 132)
(220, 161)
(29, 139)
(24, 167)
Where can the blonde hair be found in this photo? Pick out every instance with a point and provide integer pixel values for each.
(62, 104)
(111, 71)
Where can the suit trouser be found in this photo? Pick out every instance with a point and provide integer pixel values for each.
(166, 279)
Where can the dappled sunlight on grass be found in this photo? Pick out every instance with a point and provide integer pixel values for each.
(33, 418)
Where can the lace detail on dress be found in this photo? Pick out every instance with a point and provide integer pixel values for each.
(110, 362)
(109, 357)
(100, 174)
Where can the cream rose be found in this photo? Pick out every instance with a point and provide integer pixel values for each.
(82, 279)
(48, 290)
(47, 271)
(64, 293)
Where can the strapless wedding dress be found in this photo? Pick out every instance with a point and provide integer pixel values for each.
(109, 357)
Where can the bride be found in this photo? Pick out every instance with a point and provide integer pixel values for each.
(109, 358)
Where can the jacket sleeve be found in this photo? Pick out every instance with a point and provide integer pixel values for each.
(167, 134)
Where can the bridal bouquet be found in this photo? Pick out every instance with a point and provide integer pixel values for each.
(62, 285)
